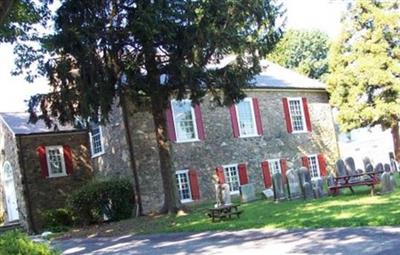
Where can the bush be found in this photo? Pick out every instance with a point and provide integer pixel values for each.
(102, 200)
(57, 220)
(18, 243)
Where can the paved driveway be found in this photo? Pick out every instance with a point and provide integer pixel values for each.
(352, 241)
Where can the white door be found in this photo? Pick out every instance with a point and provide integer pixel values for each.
(9, 190)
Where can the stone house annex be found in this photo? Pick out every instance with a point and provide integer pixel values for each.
(39, 168)
(285, 121)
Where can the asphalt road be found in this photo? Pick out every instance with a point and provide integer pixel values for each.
(353, 241)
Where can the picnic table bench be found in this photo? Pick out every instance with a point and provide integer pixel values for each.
(349, 181)
(225, 211)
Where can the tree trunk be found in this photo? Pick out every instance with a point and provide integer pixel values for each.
(396, 139)
(171, 201)
(5, 8)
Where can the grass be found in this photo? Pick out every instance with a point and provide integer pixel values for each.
(344, 210)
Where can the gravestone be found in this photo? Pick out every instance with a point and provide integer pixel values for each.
(393, 181)
(318, 187)
(268, 193)
(293, 184)
(379, 168)
(369, 168)
(247, 193)
(386, 183)
(341, 168)
(386, 167)
(366, 162)
(330, 180)
(350, 166)
(305, 183)
(278, 187)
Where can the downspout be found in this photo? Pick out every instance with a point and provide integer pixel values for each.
(138, 198)
(31, 225)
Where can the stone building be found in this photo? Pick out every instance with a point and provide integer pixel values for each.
(285, 121)
(39, 168)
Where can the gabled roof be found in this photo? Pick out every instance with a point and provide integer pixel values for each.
(276, 76)
(17, 122)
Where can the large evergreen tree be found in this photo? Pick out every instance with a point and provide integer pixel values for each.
(304, 51)
(149, 52)
(365, 68)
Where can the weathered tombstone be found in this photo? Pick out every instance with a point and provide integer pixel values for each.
(305, 183)
(318, 187)
(393, 181)
(268, 193)
(341, 168)
(379, 168)
(366, 162)
(350, 166)
(278, 187)
(293, 184)
(386, 167)
(386, 183)
(247, 193)
(330, 180)
(369, 168)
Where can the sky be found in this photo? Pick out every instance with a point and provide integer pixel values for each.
(301, 14)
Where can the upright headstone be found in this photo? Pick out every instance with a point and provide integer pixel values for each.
(318, 187)
(341, 168)
(350, 166)
(278, 187)
(293, 184)
(247, 193)
(393, 181)
(369, 168)
(386, 183)
(387, 168)
(268, 193)
(305, 183)
(366, 162)
(379, 168)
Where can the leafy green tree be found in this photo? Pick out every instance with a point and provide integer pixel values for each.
(148, 52)
(365, 68)
(303, 51)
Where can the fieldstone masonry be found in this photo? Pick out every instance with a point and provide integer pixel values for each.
(221, 148)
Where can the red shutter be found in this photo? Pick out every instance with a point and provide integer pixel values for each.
(243, 174)
(199, 122)
(68, 159)
(257, 115)
(220, 173)
(322, 165)
(287, 115)
(194, 184)
(234, 121)
(283, 169)
(304, 162)
(41, 151)
(306, 114)
(170, 123)
(266, 174)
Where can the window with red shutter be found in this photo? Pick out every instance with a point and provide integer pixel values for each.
(187, 122)
(322, 165)
(41, 151)
(266, 174)
(234, 121)
(283, 169)
(243, 174)
(306, 114)
(68, 158)
(199, 122)
(183, 182)
(194, 184)
(287, 115)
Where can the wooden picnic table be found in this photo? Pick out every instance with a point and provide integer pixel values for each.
(225, 211)
(349, 181)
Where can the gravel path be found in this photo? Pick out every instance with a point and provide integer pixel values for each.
(353, 241)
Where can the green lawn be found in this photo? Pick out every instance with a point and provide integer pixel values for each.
(344, 210)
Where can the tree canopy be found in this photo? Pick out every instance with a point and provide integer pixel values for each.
(148, 52)
(303, 51)
(364, 79)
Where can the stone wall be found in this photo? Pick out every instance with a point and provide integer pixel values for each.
(50, 193)
(221, 148)
(9, 153)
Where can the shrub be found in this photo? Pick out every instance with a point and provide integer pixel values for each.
(101, 200)
(18, 243)
(57, 220)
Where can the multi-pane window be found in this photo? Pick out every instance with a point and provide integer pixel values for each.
(183, 185)
(231, 173)
(96, 140)
(297, 114)
(184, 121)
(246, 119)
(314, 166)
(274, 166)
(55, 161)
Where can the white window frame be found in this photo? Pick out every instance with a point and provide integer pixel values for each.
(235, 192)
(273, 161)
(61, 150)
(303, 116)
(196, 135)
(316, 163)
(92, 143)
(255, 134)
(186, 172)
